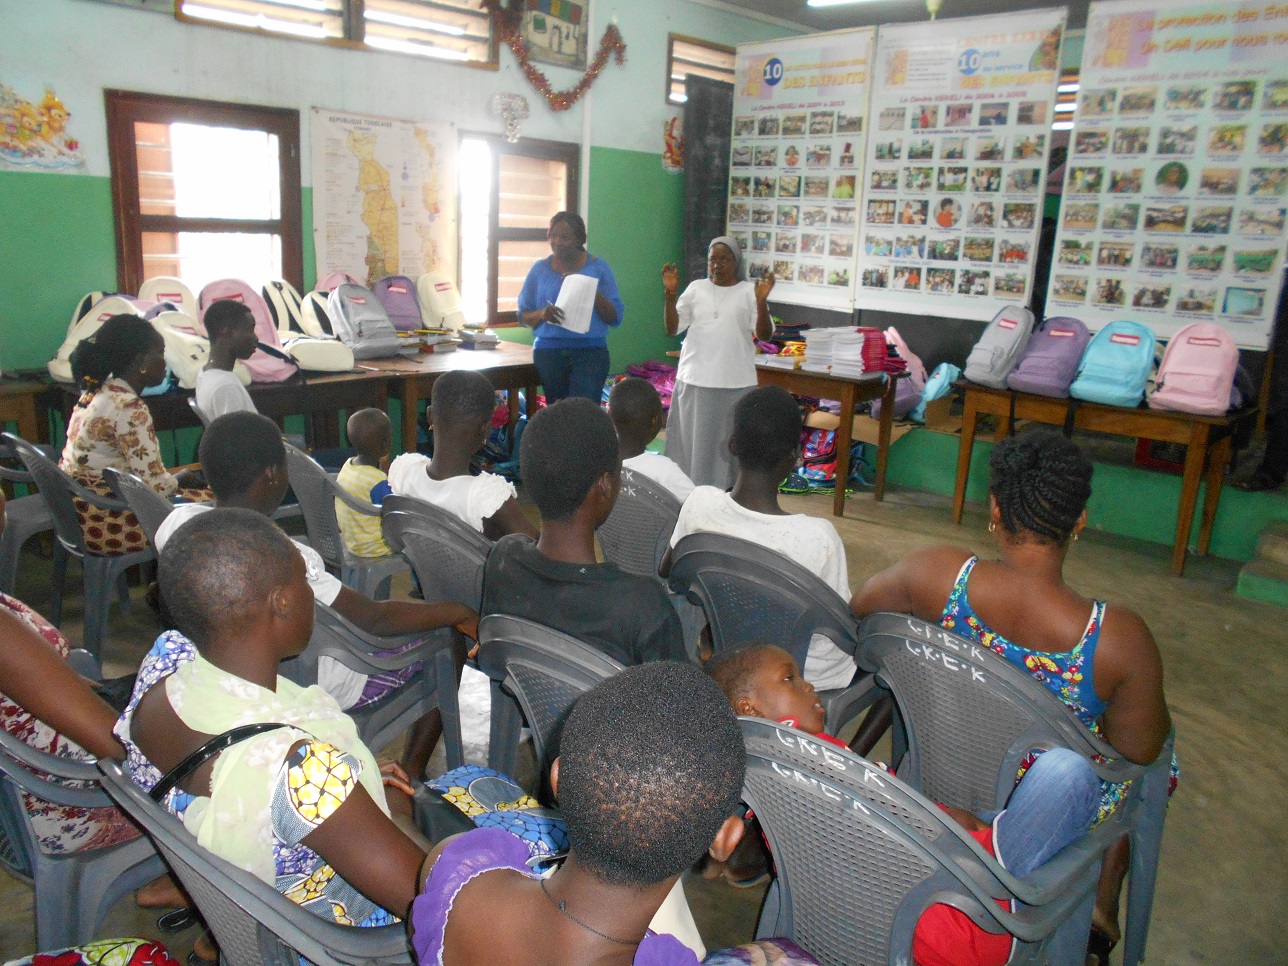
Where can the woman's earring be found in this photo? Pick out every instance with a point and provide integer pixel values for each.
(1075, 536)
(991, 526)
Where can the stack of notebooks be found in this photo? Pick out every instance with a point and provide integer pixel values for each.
(478, 338)
(844, 351)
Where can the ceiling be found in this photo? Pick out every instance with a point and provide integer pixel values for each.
(897, 11)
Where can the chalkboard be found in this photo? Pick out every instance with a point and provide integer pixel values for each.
(708, 125)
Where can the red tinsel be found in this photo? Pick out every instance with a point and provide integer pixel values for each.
(508, 31)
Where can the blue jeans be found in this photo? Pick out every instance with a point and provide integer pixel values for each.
(1053, 806)
(570, 373)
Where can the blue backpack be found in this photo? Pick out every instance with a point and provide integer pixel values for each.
(1116, 366)
(939, 384)
(1050, 360)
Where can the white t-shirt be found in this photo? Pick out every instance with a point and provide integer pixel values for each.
(811, 542)
(661, 470)
(342, 683)
(219, 392)
(720, 321)
(472, 498)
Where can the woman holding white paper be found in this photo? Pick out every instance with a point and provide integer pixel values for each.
(571, 360)
(721, 314)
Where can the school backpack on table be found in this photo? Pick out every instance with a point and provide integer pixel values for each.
(316, 353)
(333, 281)
(1116, 366)
(360, 323)
(269, 363)
(1000, 347)
(939, 384)
(187, 349)
(908, 391)
(397, 293)
(164, 288)
(88, 317)
(1050, 362)
(1197, 372)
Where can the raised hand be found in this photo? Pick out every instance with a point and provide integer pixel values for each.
(764, 285)
(670, 279)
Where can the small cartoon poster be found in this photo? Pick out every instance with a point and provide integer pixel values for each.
(34, 135)
(799, 123)
(1176, 189)
(555, 31)
(952, 196)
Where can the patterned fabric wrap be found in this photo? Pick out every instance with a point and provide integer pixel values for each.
(491, 800)
(104, 952)
(59, 829)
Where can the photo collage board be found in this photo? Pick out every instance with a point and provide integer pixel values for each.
(957, 156)
(1176, 187)
(796, 165)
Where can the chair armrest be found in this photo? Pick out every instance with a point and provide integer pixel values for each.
(95, 499)
(85, 664)
(352, 502)
(845, 704)
(360, 655)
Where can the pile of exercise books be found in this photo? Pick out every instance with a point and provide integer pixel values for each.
(845, 351)
(478, 338)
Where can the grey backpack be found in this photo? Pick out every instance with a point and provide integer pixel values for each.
(1000, 347)
(359, 321)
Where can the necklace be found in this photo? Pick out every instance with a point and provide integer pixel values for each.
(562, 906)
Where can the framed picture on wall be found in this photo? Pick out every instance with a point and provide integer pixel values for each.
(555, 31)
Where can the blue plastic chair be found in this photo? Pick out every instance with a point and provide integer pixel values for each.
(26, 517)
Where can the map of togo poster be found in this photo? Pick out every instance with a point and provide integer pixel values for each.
(1176, 187)
(952, 196)
(384, 195)
(799, 120)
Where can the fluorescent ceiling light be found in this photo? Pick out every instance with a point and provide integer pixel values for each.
(423, 50)
(833, 3)
(414, 23)
(254, 21)
(318, 5)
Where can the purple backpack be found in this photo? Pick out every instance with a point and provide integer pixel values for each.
(907, 395)
(397, 293)
(1050, 360)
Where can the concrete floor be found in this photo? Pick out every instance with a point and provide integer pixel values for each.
(1225, 847)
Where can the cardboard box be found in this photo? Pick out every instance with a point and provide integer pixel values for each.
(864, 429)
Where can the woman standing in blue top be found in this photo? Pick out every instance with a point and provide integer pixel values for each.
(569, 363)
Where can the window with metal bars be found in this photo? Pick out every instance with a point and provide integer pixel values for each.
(455, 30)
(688, 55)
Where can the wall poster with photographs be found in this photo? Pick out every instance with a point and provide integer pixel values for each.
(799, 122)
(1176, 189)
(952, 197)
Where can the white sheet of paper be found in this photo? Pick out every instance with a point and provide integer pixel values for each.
(577, 300)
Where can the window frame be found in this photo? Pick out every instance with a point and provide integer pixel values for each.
(124, 108)
(670, 61)
(567, 152)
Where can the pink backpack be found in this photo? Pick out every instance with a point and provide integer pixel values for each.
(1197, 371)
(334, 281)
(269, 363)
(916, 367)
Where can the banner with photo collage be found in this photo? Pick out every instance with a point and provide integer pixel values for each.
(956, 171)
(1175, 190)
(799, 120)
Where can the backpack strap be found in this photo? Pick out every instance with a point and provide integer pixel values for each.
(210, 749)
(277, 353)
(1070, 415)
(1010, 426)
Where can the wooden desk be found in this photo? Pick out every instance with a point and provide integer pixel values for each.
(850, 392)
(508, 367)
(18, 405)
(1207, 439)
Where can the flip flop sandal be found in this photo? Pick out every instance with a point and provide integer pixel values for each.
(177, 920)
(1099, 946)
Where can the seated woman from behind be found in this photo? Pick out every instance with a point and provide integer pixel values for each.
(1099, 659)
(301, 807)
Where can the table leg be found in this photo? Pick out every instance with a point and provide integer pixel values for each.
(883, 436)
(844, 434)
(1195, 458)
(410, 401)
(1217, 461)
(970, 416)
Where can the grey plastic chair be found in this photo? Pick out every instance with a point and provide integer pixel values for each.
(149, 507)
(859, 855)
(751, 593)
(74, 890)
(537, 674)
(971, 717)
(26, 517)
(102, 573)
(253, 923)
(446, 553)
(389, 716)
(317, 493)
(638, 531)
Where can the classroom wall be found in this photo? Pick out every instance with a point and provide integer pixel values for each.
(58, 238)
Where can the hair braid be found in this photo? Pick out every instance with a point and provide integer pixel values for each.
(1041, 482)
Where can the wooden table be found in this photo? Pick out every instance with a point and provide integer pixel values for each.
(18, 405)
(1208, 441)
(849, 392)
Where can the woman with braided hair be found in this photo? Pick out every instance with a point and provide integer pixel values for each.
(1099, 659)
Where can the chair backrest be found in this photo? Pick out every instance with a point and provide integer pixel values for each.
(149, 506)
(750, 593)
(58, 488)
(638, 531)
(11, 469)
(335, 636)
(545, 670)
(446, 553)
(970, 715)
(252, 922)
(317, 493)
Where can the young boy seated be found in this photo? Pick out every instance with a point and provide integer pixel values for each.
(461, 408)
(637, 414)
(572, 471)
(646, 787)
(302, 807)
(231, 327)
(363, 477)
(245, 462)
(765, 443)
(1053, 806)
